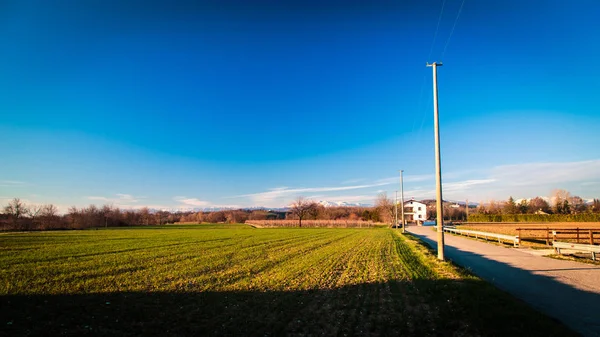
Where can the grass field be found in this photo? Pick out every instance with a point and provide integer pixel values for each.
(236, 280)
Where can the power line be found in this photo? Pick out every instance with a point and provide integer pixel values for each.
(452, 31)
(436, 29)
(420, 101)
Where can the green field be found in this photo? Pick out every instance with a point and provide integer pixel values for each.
(237, 280)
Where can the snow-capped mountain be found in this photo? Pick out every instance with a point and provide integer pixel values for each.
(326, 203)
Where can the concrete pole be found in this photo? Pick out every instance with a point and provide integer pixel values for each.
(402, 200)
(438, 166)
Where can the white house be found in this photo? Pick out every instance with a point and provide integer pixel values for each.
(415, 211)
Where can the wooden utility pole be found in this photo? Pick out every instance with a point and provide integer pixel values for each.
(438, 166)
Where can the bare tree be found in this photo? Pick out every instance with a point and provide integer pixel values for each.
(578, 204)
(144, 213)
(538, 204)
(49, 210)
(34, 211)
(16, 209)
(560, 200)
(302, 207)
(385, 206)
(49, 216)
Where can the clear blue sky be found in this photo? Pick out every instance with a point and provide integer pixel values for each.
(194, 104)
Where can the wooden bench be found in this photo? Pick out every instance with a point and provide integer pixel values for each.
(576, 246)
(486, 235)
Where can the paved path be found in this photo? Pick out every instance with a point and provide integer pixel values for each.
(566, 290)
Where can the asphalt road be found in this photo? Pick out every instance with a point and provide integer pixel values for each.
(566, 290)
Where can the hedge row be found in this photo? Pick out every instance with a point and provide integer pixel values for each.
(312, 223)
(585, 217)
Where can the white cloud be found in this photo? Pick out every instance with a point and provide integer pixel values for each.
(186, 202)
(281, 194)
(528, 180)
(192, 202)
(11, 183)
(547, 173)
(127, 197)
(466, 184)
(406, 179)
(120, 199)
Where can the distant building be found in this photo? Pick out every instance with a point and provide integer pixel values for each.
(415, 211)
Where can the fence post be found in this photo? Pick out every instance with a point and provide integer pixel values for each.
(553, 236)
(519, 236)
(577, 234)
(591, 236)
(547, 236)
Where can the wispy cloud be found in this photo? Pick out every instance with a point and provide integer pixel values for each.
(192, 202)
(547, 173)
(11, 183)
(528, 180)
(466, 184)
(406, 179)
(352, 181)
(186, 202)
(282, 192)
(120, 198)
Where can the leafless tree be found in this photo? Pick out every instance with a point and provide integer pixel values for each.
(34, 211)
(560, 200)
(578, 204)
(48, 215)
(49, 210)
(16, 209)
(301, 207)
(538, 204)
(385, 207)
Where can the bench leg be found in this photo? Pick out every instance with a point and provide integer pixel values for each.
(594, 256)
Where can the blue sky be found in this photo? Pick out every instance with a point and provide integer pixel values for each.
(199, 104)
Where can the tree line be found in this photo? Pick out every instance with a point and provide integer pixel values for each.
(18, 215)
(562, 206)
(560, 202)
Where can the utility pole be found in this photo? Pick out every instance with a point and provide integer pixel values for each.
(402, 200)
(396, 210)
(438, 166)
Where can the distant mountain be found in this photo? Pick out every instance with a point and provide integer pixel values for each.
(326, 203)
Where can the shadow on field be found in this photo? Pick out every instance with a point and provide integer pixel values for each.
(420, 307)
(578, 309)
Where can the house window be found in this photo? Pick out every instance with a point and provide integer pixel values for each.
(419, 216)
(419, 208)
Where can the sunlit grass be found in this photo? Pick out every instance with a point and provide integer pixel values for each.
(237, 280)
